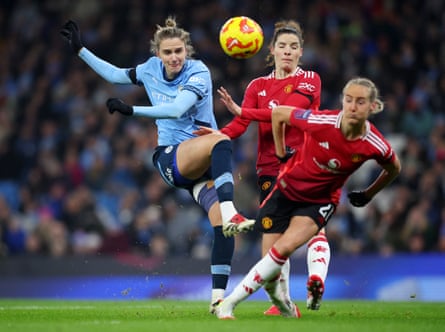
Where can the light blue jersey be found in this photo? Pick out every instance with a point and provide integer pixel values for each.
(195, 77)
(176, 123)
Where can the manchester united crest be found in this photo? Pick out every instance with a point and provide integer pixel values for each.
(266, 222)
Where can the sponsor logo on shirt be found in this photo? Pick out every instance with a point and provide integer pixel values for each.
(273, 104)
(332, 166)
(197, 79)
(306, 86)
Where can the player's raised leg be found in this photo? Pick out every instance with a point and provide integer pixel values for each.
(195, 156)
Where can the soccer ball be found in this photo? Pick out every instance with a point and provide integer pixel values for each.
(241, 37)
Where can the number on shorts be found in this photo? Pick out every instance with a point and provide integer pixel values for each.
(327, 211)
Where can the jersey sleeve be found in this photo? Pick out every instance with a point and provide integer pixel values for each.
(316, 82)
(236, 127)
(385, 154)
(299, 117)
(199, 80)
(106, 70)
(256, 114)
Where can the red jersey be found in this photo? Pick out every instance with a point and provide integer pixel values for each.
(302, 90)
(320, 168)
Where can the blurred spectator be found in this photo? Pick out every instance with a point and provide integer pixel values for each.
(148, 232)
(50, 237)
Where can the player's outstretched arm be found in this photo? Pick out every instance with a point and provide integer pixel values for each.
(174, 110)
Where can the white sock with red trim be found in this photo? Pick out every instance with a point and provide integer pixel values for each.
(268, 268)
(318, 256)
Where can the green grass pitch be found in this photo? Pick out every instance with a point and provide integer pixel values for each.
(188, 316)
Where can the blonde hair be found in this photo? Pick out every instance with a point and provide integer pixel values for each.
(284, 26)
(374, 96)
(171, 30)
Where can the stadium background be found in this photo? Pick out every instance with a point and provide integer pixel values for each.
(79, 197)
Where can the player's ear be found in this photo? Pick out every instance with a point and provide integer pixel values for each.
(373, 107)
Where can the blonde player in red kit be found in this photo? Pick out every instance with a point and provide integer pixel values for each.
(336, 143)
(287, 84)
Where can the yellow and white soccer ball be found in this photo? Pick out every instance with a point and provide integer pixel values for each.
(241, 37)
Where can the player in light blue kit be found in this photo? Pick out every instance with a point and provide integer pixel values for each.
(180, 90)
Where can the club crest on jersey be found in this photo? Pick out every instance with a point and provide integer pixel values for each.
(356, 158)
(266, 222)
(288, 88)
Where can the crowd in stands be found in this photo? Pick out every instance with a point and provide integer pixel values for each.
(75, 180)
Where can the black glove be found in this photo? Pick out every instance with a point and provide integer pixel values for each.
(289, 153)
(117, 105)
(71, 32)
(358, 198)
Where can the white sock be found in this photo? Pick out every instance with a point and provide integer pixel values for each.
(227, 210)
(284, 279)
(318, 256)
(217, 293)
(273, 289)
(266, 269)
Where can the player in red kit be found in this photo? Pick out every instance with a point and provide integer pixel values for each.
(336, 143)
(287, 84)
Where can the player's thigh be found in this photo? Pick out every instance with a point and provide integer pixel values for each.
(267, 241)
(193, 156)
(301, 229)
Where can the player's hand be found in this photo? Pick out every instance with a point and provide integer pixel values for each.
(289, 153)
(358, 198)
(205, 131)
(71, 32)
(117, 105)
(227, 100)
